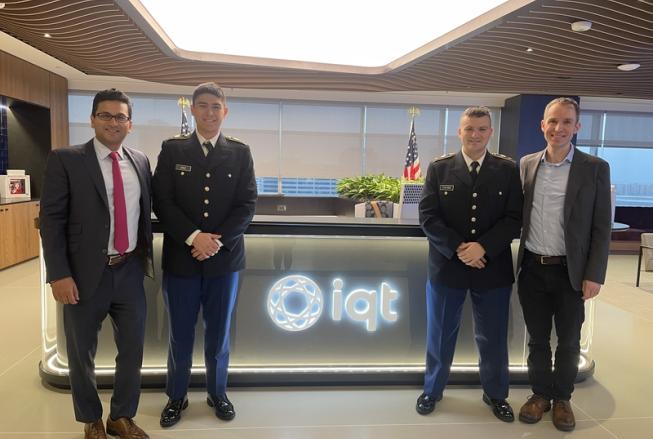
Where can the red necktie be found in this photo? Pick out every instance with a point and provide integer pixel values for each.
(120, 235)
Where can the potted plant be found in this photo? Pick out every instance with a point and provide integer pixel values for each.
(376, 194)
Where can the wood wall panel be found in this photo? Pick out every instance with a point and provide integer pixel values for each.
(24, 81)
(58, 111)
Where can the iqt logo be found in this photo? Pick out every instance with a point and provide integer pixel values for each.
(295, 303)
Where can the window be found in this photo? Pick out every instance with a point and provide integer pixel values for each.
(299, 147)
(624, 141)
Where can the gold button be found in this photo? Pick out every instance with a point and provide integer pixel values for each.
(206, 214)
(500, 193)
(474, 194)
(206, 201)
(229, 175)
(208, 175)
(445, 192)
(473, 219)
(473, 206)
(206, 188)
(181, 173)
(473, 231)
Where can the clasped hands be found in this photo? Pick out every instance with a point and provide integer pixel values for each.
(472, 254)
(206, 245)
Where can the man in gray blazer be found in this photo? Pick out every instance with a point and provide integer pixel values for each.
(563, 257)
(97, 245)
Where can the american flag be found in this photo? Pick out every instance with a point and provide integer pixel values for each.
(185, 128)
(411, 167)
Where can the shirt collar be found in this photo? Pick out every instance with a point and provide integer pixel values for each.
(568, 158)
(469, 161)
(202, 139)
(103, 151)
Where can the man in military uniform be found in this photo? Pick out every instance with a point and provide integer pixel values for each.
(204, 195)
(470, 212)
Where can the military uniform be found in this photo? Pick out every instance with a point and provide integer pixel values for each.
(454, 210)
(214, 193)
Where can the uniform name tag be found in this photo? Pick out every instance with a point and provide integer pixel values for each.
(446, 187)
(184, 168)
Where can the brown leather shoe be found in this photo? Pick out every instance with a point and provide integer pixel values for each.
(532, 411)
(563, 415)
(94, 430)
(125, 428)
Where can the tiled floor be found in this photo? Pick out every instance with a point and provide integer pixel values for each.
(615, 403)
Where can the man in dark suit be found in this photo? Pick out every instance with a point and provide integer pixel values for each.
(97, 245)
(204, 196)
(563, 257)
(470, 212)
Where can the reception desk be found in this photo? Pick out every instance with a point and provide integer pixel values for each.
(323, 300)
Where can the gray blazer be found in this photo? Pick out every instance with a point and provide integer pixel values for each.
(74, 218)
(587, 215)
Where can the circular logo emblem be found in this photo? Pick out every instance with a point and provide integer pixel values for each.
(295, 303)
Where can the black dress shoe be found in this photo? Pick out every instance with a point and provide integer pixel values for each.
(500, 408)
(171, 413)
(425, 404)
(224, 409)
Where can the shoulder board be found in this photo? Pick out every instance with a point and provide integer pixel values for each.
(444, 157)
(501, 156)
(179, 137)
(234, 139)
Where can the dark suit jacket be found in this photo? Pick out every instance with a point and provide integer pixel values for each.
(587, 215)
(214, 193)
(74, 218)
(453, 211)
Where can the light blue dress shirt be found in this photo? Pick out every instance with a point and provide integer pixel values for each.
(547, 229)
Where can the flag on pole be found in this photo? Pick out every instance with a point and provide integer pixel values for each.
(411, 167)
(185, 128)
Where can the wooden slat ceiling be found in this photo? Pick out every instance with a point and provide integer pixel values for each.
(97, 37)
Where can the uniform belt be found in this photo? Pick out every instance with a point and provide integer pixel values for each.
(548, 260)
(115, 260)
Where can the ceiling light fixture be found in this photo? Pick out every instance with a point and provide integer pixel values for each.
(529, 49)
(46, 35)
(343, 32)
(581, 26)
(2, 5)
(628, 67)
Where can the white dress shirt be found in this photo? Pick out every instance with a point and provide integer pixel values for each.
(132, 189)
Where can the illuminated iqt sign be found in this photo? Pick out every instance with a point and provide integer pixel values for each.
(295, 303)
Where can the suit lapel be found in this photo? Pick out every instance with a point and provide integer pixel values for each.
(460, 169)
(486, 170)
(194, 152)
(221, 153)
(573, 183)
(93, 168)
(530, 174)
(139, 172)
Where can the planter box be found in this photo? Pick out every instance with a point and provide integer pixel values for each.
(374, 209)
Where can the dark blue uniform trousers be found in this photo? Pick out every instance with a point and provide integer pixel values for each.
(184, 295)
(121, 296)
(443, 311)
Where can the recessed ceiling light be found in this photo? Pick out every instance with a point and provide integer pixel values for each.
(529, 49)
(47, 35)
(628, 67)
(581, 26)
(2, 5)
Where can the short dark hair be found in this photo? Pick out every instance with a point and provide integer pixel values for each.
(111, 94)
(564, 101)
(210, 88)
(477, 112)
